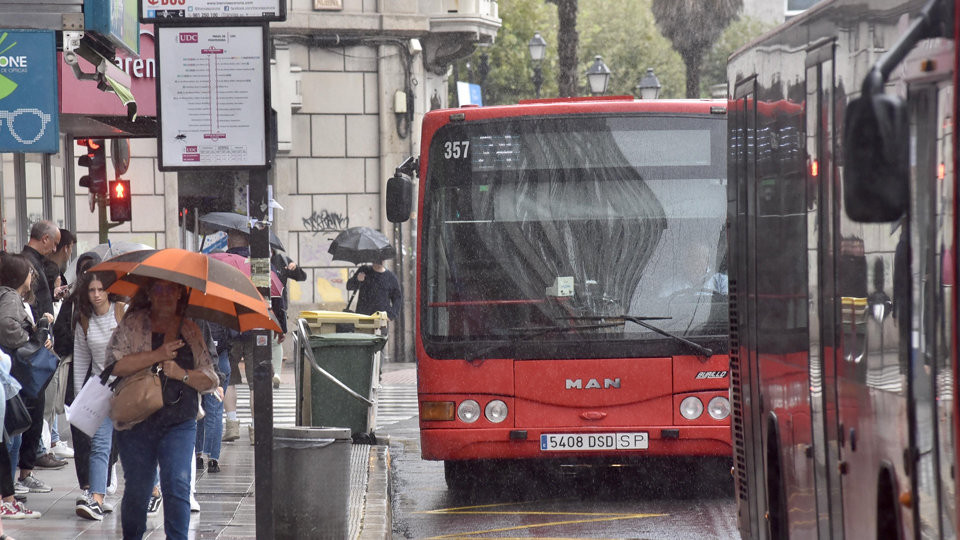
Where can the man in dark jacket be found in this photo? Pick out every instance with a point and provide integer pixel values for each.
(44, 238)
(379, 290)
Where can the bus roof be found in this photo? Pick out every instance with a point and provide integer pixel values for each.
(560, 106)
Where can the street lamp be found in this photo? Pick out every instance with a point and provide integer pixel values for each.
(538, 47)
(597, 75)
(649, 87)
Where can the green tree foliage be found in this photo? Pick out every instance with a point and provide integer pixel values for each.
(739, 33)
(693, 26)
(625, 35)
(623, 32)
(511, 74)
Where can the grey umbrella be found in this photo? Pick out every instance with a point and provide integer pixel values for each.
(230, 221)
(360, 245)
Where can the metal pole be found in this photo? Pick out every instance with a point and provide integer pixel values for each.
(262, 370)
(399, 332)
(537, 78)
(104, 226)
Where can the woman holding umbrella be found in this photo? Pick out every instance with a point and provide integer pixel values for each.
(154, 332)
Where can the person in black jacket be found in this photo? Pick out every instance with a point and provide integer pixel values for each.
(379, 290)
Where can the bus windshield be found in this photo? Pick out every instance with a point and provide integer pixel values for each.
(538, 222)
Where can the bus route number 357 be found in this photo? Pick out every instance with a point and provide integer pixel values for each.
(593, 441)
(455, 149)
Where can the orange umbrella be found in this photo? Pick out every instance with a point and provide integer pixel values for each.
(219, 292)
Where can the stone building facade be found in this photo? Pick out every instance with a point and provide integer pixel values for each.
(351, 80)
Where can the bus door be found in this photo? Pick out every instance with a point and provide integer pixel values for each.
(825, 305)
(746, 420)
(930, 392)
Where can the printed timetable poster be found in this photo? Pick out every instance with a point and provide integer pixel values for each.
(152, 11)
(212, 97)
(29, 109)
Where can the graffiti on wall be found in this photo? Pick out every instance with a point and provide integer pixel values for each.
(326, 222)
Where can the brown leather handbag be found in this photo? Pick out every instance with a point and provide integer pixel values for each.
(135, 398)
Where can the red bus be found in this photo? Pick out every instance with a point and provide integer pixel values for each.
(842, 237)
(571, 302)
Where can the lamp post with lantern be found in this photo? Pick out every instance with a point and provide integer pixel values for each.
(649, 86)
(538, 48)
(598, 75)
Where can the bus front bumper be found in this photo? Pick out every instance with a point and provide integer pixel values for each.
(507, 443)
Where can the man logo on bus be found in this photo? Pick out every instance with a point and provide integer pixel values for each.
(592, 383)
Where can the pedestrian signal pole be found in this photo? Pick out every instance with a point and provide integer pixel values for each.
(262, 370)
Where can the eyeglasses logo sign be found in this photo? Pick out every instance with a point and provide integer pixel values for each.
(7, 86)
(29, 107)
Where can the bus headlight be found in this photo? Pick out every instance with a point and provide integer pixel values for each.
(691, 408)
(719, 408)
(495, 411)
(468, 411)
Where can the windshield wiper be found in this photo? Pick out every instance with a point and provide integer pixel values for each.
(529, 332)
(704, 351)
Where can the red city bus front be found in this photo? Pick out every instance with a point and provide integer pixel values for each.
(572, 291)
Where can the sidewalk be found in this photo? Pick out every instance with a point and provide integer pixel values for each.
(227, 500)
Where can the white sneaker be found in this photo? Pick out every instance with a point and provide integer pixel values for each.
(62, 450)
(194, 505)
(112, 486)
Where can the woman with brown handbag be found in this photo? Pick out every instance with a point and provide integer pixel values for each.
(152, 334)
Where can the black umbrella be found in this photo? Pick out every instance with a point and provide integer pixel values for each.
(230, 221)
(360, 245)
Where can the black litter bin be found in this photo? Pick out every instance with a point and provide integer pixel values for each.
(342, 380)
(314, 461)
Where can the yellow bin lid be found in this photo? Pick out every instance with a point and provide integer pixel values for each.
(376, 320)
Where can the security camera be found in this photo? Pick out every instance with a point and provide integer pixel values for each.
(414, 47)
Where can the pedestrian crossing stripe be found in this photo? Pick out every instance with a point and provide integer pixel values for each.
(395, 403)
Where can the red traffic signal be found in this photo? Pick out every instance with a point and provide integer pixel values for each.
(120, 200)
(95, 160)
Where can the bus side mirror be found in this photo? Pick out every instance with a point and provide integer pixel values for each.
(399, 198)
(876, 170)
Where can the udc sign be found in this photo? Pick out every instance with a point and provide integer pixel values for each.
(29, 115)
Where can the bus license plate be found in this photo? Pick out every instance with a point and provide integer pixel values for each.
(594, 441)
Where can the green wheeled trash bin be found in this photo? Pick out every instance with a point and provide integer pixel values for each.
(313, 461)
(344, 373)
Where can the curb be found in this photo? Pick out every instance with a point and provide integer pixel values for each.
(376, 521)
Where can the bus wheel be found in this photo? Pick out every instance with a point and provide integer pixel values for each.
(462, 475)
(776, 500)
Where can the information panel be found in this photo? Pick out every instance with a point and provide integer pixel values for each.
(29, 110)
(152, 11)
(212, 97)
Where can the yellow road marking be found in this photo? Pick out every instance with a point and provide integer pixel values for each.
(473, 534)
(487, 509)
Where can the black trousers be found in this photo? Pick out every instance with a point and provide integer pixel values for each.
(6, 475)
(81, 456)
(30, 448)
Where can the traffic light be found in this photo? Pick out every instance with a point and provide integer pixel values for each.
(119, 200)
(95, 160)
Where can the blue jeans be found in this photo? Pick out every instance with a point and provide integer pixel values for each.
(210, 427)
(13, 446)
(100, 456)
(142, 448)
